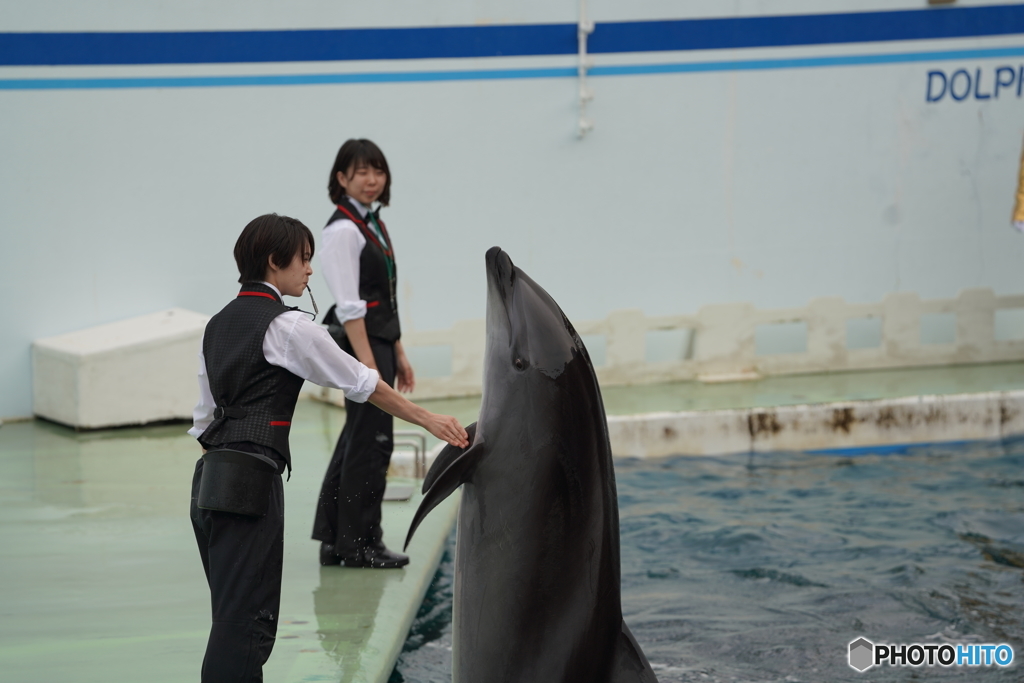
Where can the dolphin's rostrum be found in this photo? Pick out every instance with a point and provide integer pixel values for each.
(537, 557)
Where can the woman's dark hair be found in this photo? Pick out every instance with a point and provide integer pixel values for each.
(352, 155)
(273, 236)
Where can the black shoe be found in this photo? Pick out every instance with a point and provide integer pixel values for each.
(379, 557)
(327, 555)
(375, 557)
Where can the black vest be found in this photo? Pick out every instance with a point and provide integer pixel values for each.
(255, 400)
(374, 285)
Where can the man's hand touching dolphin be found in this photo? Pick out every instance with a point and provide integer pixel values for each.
(444, 427)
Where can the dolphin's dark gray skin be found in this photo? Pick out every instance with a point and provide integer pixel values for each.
(537, 558)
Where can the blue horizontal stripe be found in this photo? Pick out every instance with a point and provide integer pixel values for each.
(811, 29)
(806, 62)
(217, 47)
(279, 79)
(497, 74)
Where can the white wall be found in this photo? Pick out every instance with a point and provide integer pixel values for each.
(768, 186)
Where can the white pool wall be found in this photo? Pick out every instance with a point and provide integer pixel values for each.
(770, 186)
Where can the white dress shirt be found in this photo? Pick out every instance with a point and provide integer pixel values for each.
(341, 246)
(304, 348)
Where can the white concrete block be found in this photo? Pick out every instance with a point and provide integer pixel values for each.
(129, 372)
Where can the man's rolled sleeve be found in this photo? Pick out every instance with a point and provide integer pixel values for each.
(297, 344)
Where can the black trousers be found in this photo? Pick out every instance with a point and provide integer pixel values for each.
(348, 513)
(243, 557)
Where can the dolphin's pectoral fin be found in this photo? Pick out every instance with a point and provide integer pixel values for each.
(452, 467)
(446, 457)
(631, 666)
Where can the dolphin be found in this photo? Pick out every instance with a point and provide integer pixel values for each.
(537, 587)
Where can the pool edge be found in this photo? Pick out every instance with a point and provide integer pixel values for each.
(850, 427)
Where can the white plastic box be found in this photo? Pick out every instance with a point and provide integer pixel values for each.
(130, 372)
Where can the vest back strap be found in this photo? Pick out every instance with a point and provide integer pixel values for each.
(233, 412)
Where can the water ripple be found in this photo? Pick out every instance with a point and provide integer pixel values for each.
(763, 567)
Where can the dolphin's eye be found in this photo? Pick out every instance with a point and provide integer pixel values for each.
(520, 364)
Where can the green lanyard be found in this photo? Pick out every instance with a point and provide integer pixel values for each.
(388, 258)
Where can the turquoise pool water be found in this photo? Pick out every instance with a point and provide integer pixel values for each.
(764, 567)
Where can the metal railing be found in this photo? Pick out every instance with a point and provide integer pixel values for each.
(418, 441)
(723, 345)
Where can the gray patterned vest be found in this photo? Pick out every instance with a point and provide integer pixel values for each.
(255, 400)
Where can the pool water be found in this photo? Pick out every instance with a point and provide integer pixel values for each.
(763, 567)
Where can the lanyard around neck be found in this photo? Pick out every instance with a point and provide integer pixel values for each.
(382, 241)
(371, 219)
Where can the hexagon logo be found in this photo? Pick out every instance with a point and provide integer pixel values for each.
(862, 653)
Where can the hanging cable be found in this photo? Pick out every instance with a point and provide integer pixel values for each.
(584, 29)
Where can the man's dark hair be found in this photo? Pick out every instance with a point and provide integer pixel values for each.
(269, 236)
(352, 155)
